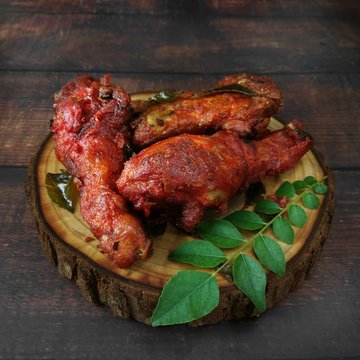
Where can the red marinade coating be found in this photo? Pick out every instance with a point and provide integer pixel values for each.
(247, 115)
(185, 175)
(90, 129)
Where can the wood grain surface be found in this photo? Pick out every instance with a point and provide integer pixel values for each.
(310, 48)
(322, 8)
(86, 42)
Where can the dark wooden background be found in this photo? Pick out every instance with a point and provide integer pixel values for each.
(310, 48)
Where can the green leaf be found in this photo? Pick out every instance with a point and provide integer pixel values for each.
(164, 96)
(310, 200)
(320, 189)
(246, 220)
(297, 215)
(221, 233)
(236, 88)
(270, 254)
(310, 180)
(187, 296)
(200, 253)
(61, 190)
(283, 230)
(268, 207)
(287, 189)
(249, 276)
(299, 185)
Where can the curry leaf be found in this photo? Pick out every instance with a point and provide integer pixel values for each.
(268, 207)
(249, 276)
(286, 189)
(297, 215)
(200, 253)
(310, 200)
(270, 254)
(299, 185)
(187, 296)
(310, 180)
(61, 190)
(246, 220)
(283, 230)
(320, 189)
(221, 233)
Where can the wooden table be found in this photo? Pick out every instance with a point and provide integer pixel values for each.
(310, 48)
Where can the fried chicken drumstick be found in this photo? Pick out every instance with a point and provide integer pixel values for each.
(90, 129)
(246, 113)
(185, 175)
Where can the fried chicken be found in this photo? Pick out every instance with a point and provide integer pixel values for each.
(91, 130)
(185, 175)
(246, 113)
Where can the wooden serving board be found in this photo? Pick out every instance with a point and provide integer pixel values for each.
(133, 292)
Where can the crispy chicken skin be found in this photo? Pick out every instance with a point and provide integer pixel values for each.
(90, 129)
(247, 115)
(185, 175)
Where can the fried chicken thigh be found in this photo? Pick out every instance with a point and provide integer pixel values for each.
(247, 114)
(185, 175)
(90, 129)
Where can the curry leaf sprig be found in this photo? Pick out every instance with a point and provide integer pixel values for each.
(192, 294)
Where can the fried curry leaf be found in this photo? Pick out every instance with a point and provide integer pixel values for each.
(234, 88)
(164, 96)
(60, 189)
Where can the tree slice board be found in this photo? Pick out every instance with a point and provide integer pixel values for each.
(133, 293)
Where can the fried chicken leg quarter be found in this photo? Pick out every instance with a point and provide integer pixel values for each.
(246, 113)
(90, 129)
(190, 173)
